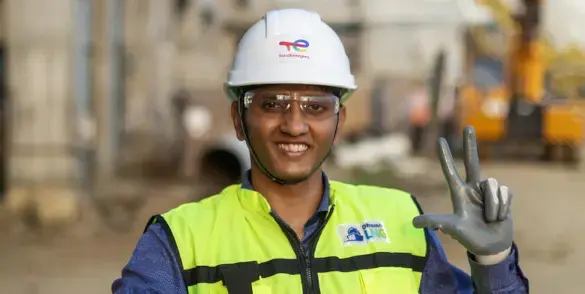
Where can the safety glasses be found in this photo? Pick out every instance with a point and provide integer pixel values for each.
(314, 105)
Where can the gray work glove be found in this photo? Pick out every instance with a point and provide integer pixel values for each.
(481, 219)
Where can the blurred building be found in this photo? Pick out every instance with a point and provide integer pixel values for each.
(88, 78)
(36, 37)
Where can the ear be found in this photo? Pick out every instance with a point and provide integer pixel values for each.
(340, 124)
(237, 121)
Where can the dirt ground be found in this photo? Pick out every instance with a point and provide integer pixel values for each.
(546, 207)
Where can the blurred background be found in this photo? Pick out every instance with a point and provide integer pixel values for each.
(113, 110)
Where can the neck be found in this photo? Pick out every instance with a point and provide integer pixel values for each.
(295, 203)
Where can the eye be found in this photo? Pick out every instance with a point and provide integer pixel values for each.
(270, 105)
(315, 107)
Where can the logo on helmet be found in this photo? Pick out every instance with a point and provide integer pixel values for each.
(295, 49)
(298, 45)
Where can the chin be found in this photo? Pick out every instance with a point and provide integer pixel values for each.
(293, 174)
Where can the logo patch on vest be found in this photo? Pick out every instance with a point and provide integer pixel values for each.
(366, 232)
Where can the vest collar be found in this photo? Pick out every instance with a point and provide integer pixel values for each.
(252, 200)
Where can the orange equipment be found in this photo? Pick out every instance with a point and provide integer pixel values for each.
(505, 94)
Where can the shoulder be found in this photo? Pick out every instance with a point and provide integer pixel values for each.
(375, 196)
(369, 193)
(153, 266)
(202, 211)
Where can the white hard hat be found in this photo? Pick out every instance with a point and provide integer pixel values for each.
(290, 46)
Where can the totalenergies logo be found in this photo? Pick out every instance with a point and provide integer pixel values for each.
(295, 49)
(299, 45)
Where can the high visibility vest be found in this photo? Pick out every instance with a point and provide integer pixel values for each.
(233, 243)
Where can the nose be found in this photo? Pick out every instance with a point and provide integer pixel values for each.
(293, 122)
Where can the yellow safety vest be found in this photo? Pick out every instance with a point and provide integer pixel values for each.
(233, 243)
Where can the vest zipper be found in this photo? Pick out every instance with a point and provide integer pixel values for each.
(309, 282)
(294, 241)
(313, 278)
(308, 270)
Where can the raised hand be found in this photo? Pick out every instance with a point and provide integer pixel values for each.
(481, 219)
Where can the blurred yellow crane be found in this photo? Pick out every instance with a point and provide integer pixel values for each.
(518, 88)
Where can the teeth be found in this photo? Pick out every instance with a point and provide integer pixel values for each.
(293, 147)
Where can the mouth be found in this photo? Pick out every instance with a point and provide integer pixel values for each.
(293, 150)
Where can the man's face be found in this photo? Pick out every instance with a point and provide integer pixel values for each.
(291, 127)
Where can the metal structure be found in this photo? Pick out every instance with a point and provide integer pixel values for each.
(85, 119)
(3, 119)
(116, 79)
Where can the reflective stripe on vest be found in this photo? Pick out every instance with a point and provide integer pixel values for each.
(231, 243)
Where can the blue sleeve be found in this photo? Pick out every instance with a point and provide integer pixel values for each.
(152, 268)
(439, 276)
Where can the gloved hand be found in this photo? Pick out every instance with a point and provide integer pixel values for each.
(481, 219)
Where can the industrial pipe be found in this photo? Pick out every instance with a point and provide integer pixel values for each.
(82, 90)
(116, 100)
(223, 163)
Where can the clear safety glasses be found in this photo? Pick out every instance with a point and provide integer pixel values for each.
(314, 105)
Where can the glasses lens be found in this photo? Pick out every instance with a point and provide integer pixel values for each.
(313, 105)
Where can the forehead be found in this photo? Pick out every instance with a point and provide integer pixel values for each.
(294, 87)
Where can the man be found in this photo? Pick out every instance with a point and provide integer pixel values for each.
(287, 228)
(420, 115)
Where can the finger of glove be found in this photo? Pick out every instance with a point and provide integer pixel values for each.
(471, 157)
(491, 200)
(505, 200)
(447, 223)
(456, 185)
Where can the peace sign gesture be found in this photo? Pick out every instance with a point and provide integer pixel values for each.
(481, 219)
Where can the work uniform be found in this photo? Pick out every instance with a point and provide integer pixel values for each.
(156, 266)
(234, 242)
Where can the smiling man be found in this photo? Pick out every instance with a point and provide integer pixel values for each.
(289, 229)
